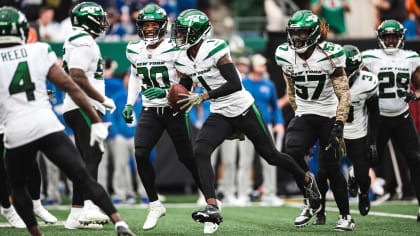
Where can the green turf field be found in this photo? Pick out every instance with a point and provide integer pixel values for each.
(253, 221)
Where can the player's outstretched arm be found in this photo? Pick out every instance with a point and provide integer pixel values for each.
(60, 79)
(80, 78)
(290, 91)
(342, 90)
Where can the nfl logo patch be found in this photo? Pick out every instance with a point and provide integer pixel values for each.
(149, 56)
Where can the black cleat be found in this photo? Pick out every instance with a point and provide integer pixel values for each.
(209, 214)
(122, 230)
(312, 192)
(306, 214)
(320, 219)
(352, 184)
(364, 204)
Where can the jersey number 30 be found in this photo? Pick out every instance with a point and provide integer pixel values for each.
(21, 82)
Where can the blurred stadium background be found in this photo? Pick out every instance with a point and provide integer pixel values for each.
(251, 27)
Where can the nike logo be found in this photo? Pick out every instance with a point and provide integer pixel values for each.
(245, 112)
(174, 114)
(202, 214)
(406, 115)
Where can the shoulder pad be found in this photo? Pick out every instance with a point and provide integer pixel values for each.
(411, 54)
(215, 46)
(81, 39)
(369, 81)
(282, 54)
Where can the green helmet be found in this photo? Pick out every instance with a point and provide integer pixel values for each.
(154, 13)
(353, 61)
(91, 17)
(190, 27)
(303, 21)
(388, 27)
(14, 27)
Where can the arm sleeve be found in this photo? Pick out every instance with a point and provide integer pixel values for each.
(134, 87)
(277, 114)
(373, 118)
(233, 84)
(186, 82)
(81, 57)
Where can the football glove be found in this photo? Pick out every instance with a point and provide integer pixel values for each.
(336, 141)
(98, 133)
(152, 93)
(410, 97)
(373, 154)
(127, 114)
(190, 100)
(109, 104)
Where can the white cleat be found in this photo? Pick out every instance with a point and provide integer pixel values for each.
(155, 212)
(72, 222)
(47, 217)
(12, 217)
(345, 223)
(92, 215)
(210, 227)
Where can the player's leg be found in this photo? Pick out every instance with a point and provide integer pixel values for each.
(214, 131)
(178, 128)
(386, 124)
(357, 153)
(91, 155)
(407, 140)
(19, 163)
(246, 158)
(149, 129)
(6, 209)
(254, 127)
(121, 156)
(329, 166)
(61, 151)
(34, 187)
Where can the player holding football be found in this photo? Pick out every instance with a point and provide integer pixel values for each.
(153, 72)
(319, 93)
(25, 68)
(395, 68)
(207, 62)
(83, 62)
(360, 146)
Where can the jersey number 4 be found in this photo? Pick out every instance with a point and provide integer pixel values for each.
(22, 83)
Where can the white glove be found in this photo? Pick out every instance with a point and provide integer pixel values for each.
(109, 104)
(98, 133)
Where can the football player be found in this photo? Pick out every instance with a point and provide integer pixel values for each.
(25, 68)
(207, 62)
(361, 147)
(83, 62)
(395, 68)
(152, 73)
(319, 93)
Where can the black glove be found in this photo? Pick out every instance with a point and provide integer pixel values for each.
(410, 97)
(336, 141)
(373, 154)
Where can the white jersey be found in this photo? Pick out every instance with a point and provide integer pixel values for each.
(394, 75)
(313, 86)
(24, 104)
(82, 52)
(363, 88)
(203, 71)
(153, 68)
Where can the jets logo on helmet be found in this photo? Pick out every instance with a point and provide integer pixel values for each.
(152, 13)
(91, 17)
(353, 62)
(14, 27)
(190, 27)
(303, 23)
(391, 28)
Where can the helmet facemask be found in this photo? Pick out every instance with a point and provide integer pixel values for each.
(191, 30)
(293, 37)
(391, 50)
(158, 33)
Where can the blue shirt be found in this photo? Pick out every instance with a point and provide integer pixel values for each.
(58, 101)
(265, 96)
(200, 112)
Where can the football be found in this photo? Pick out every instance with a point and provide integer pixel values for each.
(173, 97)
